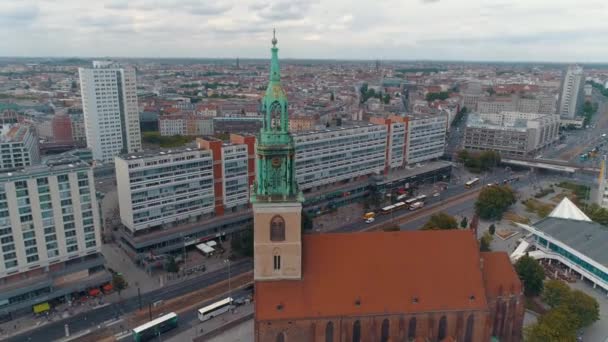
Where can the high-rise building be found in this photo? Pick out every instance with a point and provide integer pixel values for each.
(571, 97)
(109, 102)
(18, 146)
(49, 234)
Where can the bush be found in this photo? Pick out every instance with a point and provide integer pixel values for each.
(531, 274)
(440, 221)
(492, 229)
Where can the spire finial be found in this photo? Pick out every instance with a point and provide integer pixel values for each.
(274, 38)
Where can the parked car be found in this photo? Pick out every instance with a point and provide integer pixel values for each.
(370, 220)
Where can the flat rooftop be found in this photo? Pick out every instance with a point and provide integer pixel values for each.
(587, 238)
(159, 152)
(34, 170)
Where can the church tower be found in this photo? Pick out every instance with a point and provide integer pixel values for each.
(276, 199)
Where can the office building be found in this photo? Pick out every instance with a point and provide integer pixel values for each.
(49, 234)
(18, 146)
(78, 131)
(172, 124)
(302, 123)
(62, 129)
(339, 153)
(170, 188)
(111, 115)
(425, 138)
(538, 103)
(571, 96)
(395, 142)
(511, 133)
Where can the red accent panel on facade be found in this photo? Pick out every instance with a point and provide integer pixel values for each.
(215, 146)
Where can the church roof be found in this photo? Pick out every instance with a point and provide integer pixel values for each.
(381, 273)
(568, 210)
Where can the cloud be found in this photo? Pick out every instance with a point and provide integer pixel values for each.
(286, 10)
(429, 1)
(18, 13)
(195, 7)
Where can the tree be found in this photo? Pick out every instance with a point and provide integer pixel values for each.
(491, 91)
(493, 201)
(463, 156)
(171, 266)
(386, 99)
(531, 274)
(555, 293)
(119, 283)
(555, 325)
(583, 308)
(440, 221)
(485, 242)
(437, 96)
(464, 222)
(492, 229)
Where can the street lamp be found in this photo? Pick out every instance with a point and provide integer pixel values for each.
(229, 285)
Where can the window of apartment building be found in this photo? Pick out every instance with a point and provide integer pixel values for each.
(32, 258)
(10, 264)
(72, 248)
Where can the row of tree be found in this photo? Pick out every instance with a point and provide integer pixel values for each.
(367, 93)
(442, 95)
(478, 162)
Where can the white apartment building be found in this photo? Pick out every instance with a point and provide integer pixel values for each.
(163, 188)
(109, 102)
(18, 146)
(425, 138)
(572, 91)
(49, 234)
(339, 153)
(169, 125)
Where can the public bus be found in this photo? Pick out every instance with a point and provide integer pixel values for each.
(155, 327)
(421, 198)
(387, 210)
(411, 201)
(399, 205)
(215, 309)
(471, 183)
(400, 198)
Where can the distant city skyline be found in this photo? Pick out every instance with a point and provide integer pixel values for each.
(472, 30)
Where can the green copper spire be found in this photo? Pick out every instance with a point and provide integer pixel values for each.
(275, 178)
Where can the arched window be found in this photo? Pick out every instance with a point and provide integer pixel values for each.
(281, 337)
(385, 329)
(277, 229)
(443, 322)
(468, 335)
(329, 332)
(411, 329)
(357, 331)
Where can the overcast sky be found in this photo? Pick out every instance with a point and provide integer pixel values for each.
(523, 30)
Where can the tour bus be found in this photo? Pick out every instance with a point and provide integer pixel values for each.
(215, 309)
(154, 328)
(471, 183)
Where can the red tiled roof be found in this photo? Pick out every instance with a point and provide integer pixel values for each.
(498, 271)
(384, 271)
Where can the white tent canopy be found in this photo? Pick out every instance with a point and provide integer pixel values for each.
(206, 249)
(567, 210)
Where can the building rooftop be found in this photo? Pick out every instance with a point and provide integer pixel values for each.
(13, 133)
(160, 152)
(344, 126)
(567, 210)
(379, 273)
(34, 170)
(499, 274)
(588, 238)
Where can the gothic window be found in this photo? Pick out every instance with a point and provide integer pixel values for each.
(329, 332)
(281, 337)
(411, 330)
(468, 336)
(357, 331)
(442, 328)
(277, 229)
(275, 115)
(385, 330)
